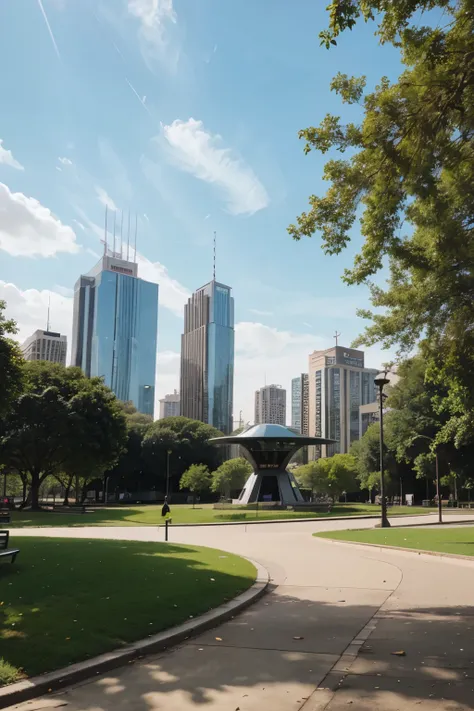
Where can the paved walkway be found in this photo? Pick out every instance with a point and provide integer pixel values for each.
(297, 648)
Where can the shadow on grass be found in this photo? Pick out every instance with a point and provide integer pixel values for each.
(65, 600)
(302, 641)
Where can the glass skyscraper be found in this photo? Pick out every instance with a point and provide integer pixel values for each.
(207, 356)
(115, 323)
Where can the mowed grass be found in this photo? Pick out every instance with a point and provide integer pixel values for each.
(66, 600)
(204, 513)
(459, 540)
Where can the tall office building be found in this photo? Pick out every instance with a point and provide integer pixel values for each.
(338, 385)
(115, 322)
(207, 356)
(45, 345)
(300, 404)
(170, 405)
(270, 405)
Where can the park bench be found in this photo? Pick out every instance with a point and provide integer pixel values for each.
(4, 516)
(5, 552)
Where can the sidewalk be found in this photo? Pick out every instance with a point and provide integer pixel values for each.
(285, 652)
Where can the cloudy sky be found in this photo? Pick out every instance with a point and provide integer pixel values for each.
(187, 112)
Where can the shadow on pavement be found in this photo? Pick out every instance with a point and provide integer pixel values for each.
(279, 655)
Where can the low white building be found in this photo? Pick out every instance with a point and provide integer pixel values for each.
(45, 345)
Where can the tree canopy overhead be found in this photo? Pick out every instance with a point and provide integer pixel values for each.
(408, 186)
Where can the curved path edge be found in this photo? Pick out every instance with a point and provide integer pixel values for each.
(381, 547)
(52, 681)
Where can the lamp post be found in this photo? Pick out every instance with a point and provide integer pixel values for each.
(438, 483)
(168, 473)
(380, 381)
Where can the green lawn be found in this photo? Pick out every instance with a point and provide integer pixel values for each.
(443, 540)
(204, 513)
(66, 600)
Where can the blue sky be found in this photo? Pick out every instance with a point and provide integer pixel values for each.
(186, 112)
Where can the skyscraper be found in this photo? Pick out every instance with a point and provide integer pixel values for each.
(300, 404)
(45, 345)
(270, 405)
(170, 405)
(338, 385)
(115, 322)
(207, 356)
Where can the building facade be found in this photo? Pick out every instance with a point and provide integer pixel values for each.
(300, 404)
(339, 384)
(45, 345)
(170, 405)
(115, 323)
(207, 357)
(370, 413)
(270, 405)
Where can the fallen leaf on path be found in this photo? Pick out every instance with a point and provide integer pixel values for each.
(218, 639)
(298, 638)
(401, 653)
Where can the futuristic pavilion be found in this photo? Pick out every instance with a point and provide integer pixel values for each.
(269, 448)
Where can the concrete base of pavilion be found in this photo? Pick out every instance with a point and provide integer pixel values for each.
(278, 486)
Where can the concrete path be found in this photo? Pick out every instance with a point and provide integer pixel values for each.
(302, 646)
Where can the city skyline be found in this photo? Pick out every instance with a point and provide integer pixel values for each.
(125, 122)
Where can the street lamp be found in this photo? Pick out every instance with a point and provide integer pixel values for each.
(168, 472)
(438, 483)
(380, 381)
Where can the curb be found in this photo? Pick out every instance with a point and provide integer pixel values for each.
(319, 519)
(381, 547)
(52, 681)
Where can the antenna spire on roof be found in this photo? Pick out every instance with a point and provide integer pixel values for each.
(105, 233)
(214, 261)
(49, 306)
(336, 336)
(115, 221)
(121, 232)
(128, 241)
(135, 245)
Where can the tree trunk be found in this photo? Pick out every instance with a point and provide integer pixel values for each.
(34, 491)
(67, 491)
(78, 493)
(194, 499)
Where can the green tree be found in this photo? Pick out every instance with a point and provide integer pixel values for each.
(313, 475)
(66, 424)
(331, 476)
(342, 472)
(408, 182)
(188, 441)
(10, 362)
(197, 478)
(230, 476)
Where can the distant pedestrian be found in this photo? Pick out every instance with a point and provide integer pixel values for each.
(165, 511)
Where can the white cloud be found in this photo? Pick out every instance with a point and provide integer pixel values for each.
(194, 150)
(265, 354)
(6, 157)
(64, 290)
(173, 295)
(167, 376)
(105, 198)
(29, 308)
(28, 229)
(156, 19)
(65, 161)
